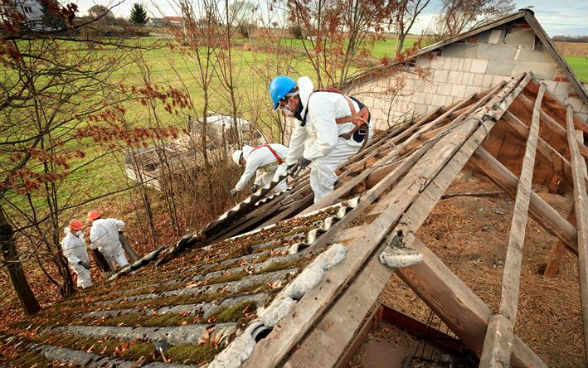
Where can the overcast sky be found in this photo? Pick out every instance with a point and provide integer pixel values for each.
(569, 17)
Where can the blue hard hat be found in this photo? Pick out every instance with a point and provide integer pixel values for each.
(279, 88)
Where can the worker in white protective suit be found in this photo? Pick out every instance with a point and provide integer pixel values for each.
(74, 249)
(330, 128)
(104, 236)
(267, 162)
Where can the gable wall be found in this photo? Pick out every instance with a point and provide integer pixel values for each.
(463, 68)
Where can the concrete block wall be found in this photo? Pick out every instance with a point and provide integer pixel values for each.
(460, 69)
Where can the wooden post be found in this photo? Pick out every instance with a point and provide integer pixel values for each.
(498, 342)
(581, 211)
(557, 253)
(539, 210)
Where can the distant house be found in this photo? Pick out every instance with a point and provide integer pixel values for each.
(469, 63)
(175, 21)
(32, 13)
(158, 22)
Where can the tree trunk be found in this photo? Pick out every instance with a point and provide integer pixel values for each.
(17, 276)
(399, 42)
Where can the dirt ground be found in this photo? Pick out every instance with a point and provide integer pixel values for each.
(470, 235)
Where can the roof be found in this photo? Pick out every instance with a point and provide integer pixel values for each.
(258, 287)
(522, 14)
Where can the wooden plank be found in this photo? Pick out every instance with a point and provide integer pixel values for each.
(499, 336)
(457, 305)
(557, 253)
(326, 343)
(498, 348)
(270, 351)
(539, 210)
(581, 212)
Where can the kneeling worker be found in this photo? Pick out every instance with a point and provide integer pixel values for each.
(74, 249)
(104, 235)
(266, 162)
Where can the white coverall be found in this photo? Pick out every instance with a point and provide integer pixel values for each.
(74, 249)
(104, 236)
(318, 140)
(263, 163)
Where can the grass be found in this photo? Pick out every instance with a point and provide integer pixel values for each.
(579, 66)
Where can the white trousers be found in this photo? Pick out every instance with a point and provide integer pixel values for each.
(322, 169)
(84, 278)
(118, 257)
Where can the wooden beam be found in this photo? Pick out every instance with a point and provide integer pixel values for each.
(498, 347)
(457, 305)
(561, 166)
(557, 253)
(581, 211)
(539, 210)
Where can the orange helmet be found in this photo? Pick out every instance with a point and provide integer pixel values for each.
(76, 225)
(93, 215)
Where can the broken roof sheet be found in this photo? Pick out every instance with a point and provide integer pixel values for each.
(245, 300)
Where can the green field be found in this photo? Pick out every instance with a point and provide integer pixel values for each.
(579, 65)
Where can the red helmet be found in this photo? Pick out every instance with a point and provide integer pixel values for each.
(93, 215)
(76, 225)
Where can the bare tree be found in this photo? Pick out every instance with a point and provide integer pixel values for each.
(404, 17)
(460, 15)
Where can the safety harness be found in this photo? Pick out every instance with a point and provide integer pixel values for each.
(278, 158)
(359, 118)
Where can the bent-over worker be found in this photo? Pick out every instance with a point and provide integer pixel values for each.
(74, 249)
(104, 236)
(330, 128)
(267, 162)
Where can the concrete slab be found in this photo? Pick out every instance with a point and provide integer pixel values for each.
(500, 52)
(487, 80)
(520, 37)
(444, 89)
(458, 90)
(484, 37)
(455, 63)
(467, 64)
(504, 67)
(438, 100)
(478, 80)
(540, 70)
(461, 50)
(528, 54)
(437, 62)
(455, 77)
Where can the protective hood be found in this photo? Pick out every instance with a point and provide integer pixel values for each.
(305, 89)
(246, 151)
(66, 230)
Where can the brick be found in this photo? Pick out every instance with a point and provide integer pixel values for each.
(468, 79)
(467, 65)
(455, 77)
(458, 90)
(420, 109)
(562, 89)
(470, 90)
(447, 63)
(423, 61)
(487, 80)
(479, 66)
(438, 100)
(478, 80)
(440, 76)
(437, 63)
(429, 87)
(418, 97)
(429, 98)
(444, 89)
(497, 79)
(495, 36)
(455, 63)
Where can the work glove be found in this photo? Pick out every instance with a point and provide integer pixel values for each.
(84, 264)
(303, 162)
(254, 188)
(234, 192)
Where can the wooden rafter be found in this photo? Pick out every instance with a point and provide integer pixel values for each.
(581, 211)
(499, 336)
(539, 210)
